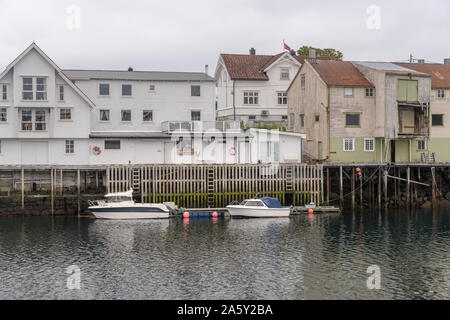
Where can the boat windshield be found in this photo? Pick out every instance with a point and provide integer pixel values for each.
(117, 199)
(254, 203)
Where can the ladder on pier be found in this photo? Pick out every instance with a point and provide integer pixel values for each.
(210, 186)
(289, 179)
(136, 179)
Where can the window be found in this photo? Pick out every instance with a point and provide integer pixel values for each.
(104, 115)
(369, 92)
(369, 144)
(251, 117)
(112, 144)
(27, 124)
(284, 74)
(421, 145)
(291, 122)
(316, 118)
(349, 144)
(70, 146)
(4, 92)
(348, 92)
(302, 120)
(152, 88)
(352, 119)
(27, 89)
(103, 89)
(195, 91)
(61, 93)
(126, 115)
(65, 114)
(41, 89)
(441, 93)
(147, 115)
(195, 115)
(282, 98)
(250, 97)
(126, 90)
(40, 120)
(3, 115)
(302, 81)
(437, 119)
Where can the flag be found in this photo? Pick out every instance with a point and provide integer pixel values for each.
(286, 47)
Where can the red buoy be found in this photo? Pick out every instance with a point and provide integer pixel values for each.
(358, 170)
(186, 214)
(215, 214)
(359, 174)
(311, 212)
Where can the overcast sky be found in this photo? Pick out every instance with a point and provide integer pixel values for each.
(171, 35)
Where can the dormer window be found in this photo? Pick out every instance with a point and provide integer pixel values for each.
(284, 74)
(27, 89)
(41, 89)
(37, 83)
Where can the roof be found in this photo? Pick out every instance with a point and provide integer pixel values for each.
(389, 67)
(440, 73)
(137, 75)
(128, 135)
(283, 133)
(340, 73)
(127, 194)
(34, 46)
(272, 203)
(252, 66)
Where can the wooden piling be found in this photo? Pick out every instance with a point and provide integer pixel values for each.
(352, 182)
(78, 191)
(408, 186)
(52, 191)
(341, 187)
(385, 189)
(328, 185)
(379, 187)
(433, 186)
(22, 180)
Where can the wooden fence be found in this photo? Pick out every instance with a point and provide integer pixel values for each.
(202, 186)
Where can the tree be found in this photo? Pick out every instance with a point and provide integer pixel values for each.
(333, 54)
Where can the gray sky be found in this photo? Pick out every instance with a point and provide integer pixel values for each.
(171, 35)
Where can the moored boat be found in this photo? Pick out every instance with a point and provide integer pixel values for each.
(259, 208)
(121, 205)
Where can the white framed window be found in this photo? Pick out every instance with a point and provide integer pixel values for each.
(349, 144)
(27, 88)
(195, 91)
(41, 88)
(421, 145)
(126, 115)
(370, 92)
(65, 114)
(40, 123)
(251, 97)
(196, 115)
(112, 144)
(147, 115)
(127, 90)
(61, 93)
(348, 92)
(369, 144)
(104, 115)
(440, 93)
(284, 74)
(291, 122)
(302, 81)
(3, 115)
(282, 98)
(27, 120)
(103, 89)
(152, 88)
(4, 88)
(70, 147)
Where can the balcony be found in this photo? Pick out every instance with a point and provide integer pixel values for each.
(413, 121)
(200, 126)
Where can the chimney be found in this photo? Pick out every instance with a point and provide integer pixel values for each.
(447, 61)
(130, 69)
(421, 61)
(312, 55)
(206, 68)
(252, 51)
(293, 52)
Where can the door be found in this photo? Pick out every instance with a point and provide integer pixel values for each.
(319, 151)
(392, 150)
(408, 90)
(34, 152)
(406, 121)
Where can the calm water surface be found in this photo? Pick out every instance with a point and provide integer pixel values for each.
(323, 257)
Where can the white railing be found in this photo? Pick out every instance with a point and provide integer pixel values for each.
(200, 126)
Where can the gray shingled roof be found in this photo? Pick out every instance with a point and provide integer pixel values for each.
(136, 75)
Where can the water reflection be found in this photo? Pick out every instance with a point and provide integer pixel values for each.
(303, 257)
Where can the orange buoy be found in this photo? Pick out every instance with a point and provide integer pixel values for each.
(358, 170)
(215, 214)
(359, 174)
(311, 212)
(186, 214)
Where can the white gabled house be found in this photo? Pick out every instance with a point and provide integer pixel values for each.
(50, 116)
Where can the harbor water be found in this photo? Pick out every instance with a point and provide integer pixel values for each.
(302, 257)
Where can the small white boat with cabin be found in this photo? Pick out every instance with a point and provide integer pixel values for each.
(259, 208)
(121, 205)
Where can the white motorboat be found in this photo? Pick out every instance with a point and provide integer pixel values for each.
(259, 208)
(121, 205)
